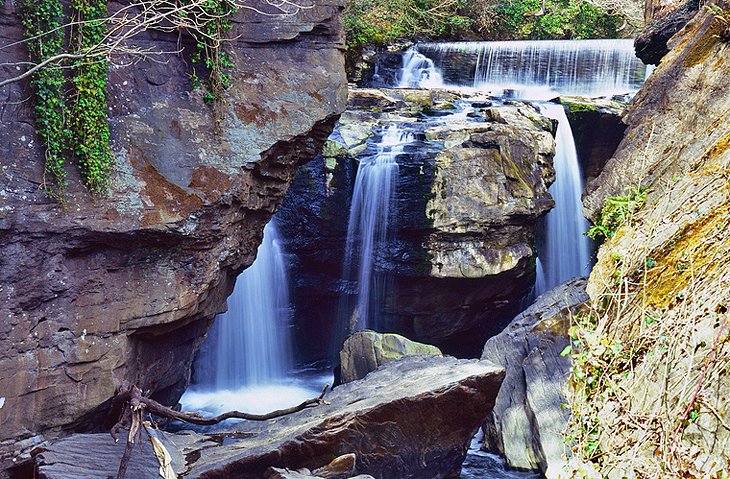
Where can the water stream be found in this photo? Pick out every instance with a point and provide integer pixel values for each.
(370, 226)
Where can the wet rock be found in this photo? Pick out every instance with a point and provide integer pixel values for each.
(469, 194)
(365, 351)
(411, 418)
(125, 286)
(528, 418)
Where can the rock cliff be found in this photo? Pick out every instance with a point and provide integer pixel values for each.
(660, 287)
(472, 184)
(125, 287)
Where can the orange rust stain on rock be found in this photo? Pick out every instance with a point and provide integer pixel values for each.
(170, 202)
(253, 113)
(211, 182)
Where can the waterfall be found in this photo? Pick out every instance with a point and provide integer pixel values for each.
(249, 344)
(370, 226)
(419, 71)
(532, 69)
(567, 251)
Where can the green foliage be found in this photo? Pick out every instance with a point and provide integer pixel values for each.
(89, 127)
(376, 22)
(214, 23)
(42, 23)
(616, 211)
(560, 19)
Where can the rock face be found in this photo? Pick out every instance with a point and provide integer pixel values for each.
(471, 185)
(528, 418)
(663, 19)
(411, 418)
(125, 287)
(672, 261)
(365, 351)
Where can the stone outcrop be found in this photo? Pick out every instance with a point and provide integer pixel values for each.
(411, 418)
(528, 418)
(663, 19)
(672, 262)
(471, 187)
(125, 287)
(365, 351)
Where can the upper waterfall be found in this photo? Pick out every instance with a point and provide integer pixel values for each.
(533, 69)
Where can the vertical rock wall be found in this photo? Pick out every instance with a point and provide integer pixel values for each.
(124, 287)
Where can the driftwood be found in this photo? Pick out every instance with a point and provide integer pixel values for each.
(130, 404)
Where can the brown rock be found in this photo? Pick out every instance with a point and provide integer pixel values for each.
(125, 287)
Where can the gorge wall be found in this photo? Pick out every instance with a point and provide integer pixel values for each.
(661, 283)
(125, 286)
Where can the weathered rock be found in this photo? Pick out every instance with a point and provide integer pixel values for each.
(528, 418)
(341, 467)
(125, 286)
(470, 191)
(675, 255)
(411, 418)
(365, 351)
(663, 19)
(597, 130)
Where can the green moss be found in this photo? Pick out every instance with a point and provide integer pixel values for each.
(575, 107)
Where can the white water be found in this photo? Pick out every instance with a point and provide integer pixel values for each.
(567, 250)
(249, 345)
(529, 69)
(370, 226)
(419, 71)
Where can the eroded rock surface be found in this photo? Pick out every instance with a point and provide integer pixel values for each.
(411, 418)
(472, 184)
(672, 262)
(125, 287)
(528, 418)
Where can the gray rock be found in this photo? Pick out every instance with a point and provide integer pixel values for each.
(528, 418)
(365, 351)
(413, 417)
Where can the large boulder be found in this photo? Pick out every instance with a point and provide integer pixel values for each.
(365, 351)
(472, 184)
(411, 418)
(663, 19)
(528, 418)
(125, 286)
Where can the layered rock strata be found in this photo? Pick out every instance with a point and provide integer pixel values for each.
(125, 286)
(669, 266)
(411, 418)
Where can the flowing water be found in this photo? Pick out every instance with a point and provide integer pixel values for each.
(527, 69)
(566, 253)
(371, 226)
(247, 354)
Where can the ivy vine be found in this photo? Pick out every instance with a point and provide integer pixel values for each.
(43, 22)
(71, 102)
(89, 125)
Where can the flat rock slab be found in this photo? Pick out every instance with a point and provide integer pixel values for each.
(410, 418)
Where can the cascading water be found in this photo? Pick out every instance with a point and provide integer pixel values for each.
(249, 345)
(419, 71)
(370, 226)
(533, 69)
(567, 250)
